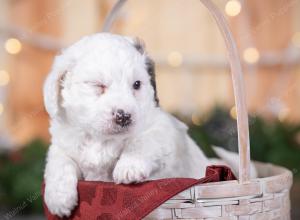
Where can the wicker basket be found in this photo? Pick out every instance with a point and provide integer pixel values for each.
(265, 198)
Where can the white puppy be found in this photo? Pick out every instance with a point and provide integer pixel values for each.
(106, 123)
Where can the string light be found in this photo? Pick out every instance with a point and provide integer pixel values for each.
(297, 137)
(4, 78)
(13, 46)
(283, 114)
(296, 39)
(47, 42)
(196, 119)
(233, 113)
(233, 8)
(1, 108)
(251, 55)
(175, 59)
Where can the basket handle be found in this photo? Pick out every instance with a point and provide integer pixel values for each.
(237, 79)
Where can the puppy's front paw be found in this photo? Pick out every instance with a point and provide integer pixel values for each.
(131, 171)
(60, 199)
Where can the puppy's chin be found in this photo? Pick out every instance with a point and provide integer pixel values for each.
(119, 131)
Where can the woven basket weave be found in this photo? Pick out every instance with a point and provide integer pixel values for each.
(263, 198)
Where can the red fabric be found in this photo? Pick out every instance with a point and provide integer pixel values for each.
(109, 201)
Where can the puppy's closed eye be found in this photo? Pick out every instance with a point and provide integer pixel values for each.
(101, 88)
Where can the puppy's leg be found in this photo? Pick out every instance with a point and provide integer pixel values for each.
(138, 160)
(61, 176)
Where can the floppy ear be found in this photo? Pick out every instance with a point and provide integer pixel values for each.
(53, 86)
(150, 64)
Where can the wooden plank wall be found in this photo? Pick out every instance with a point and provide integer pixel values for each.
(26, 117)
(166, 29)
(268, 26)
(65, 20)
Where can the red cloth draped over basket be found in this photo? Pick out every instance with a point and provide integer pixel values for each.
(109, 201)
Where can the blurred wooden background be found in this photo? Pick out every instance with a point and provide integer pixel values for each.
(192, 71)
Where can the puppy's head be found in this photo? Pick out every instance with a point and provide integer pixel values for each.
(104, 84)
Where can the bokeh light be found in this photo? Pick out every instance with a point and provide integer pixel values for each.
(1, 108)
(13, 46)
(4, 78)
(175, 59)
(233, 113)
(296, 39)
(196, 119)
(233, 8)
(283, 114)
(251, 55)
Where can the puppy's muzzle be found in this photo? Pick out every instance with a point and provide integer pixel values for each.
(122, 118)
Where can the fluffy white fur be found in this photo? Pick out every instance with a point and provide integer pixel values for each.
(88, 82)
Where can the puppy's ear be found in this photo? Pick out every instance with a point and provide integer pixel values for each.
(52, 88)
(150, 65)
(139, 45)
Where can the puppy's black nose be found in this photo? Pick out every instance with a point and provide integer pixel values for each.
(123, 119)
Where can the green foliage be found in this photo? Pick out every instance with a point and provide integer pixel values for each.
(21, 174)
(271, 141)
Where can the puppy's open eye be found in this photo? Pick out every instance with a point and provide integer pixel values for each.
(137, 85)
